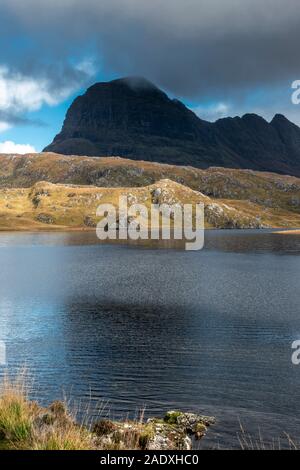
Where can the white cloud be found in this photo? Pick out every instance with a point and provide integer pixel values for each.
(212, 112)
(4, 126)
(20, 93)
(12, 147)
(87, 66)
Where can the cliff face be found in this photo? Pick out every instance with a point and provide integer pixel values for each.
(132, 117)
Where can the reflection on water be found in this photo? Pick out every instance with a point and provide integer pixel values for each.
(254, 241)
(208, 331)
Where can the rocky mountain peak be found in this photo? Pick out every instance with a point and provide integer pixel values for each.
(132, 117)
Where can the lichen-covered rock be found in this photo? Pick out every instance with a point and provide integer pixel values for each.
(167, 437)
(174, 432)
(89, 221)
(190, 423)
(45, 218)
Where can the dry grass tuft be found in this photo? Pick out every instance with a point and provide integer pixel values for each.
(249, 442)
(64, 437)
(16, 412)
(25, 425)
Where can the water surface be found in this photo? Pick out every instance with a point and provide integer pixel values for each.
(130, 326)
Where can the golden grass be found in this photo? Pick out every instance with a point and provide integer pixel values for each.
(55, 207)
(18, 422)
(24, 425)
(16, 412)
(273, 198)
(63, 437)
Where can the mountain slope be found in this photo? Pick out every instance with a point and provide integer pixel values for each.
(132, 117)
(235, 198)
(47, 206)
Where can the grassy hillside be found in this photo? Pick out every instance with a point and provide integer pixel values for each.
(269, 189)
(48, 206)
(49, 191)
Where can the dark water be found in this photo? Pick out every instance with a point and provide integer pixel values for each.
(123, 327)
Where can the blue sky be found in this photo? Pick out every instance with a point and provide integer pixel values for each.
(220, 57)
(38, 135)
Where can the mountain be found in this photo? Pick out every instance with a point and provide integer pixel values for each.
(132, 117)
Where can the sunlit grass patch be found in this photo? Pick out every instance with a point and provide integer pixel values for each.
(16, 412)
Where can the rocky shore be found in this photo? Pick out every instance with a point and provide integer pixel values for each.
(24, 425)
(176, 431)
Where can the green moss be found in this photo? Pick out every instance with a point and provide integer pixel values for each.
(157, 421)
(172, 417)
(200, 428)
(146, 435)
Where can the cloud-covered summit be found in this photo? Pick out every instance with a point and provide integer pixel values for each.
(214, 54)
(190, 47)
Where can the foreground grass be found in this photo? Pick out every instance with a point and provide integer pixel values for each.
(15, 412)
(26, 425)
(21, 423)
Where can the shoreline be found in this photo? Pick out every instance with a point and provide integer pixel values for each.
(288, 232)
(25, 425)
(62, 229)
(47, 230)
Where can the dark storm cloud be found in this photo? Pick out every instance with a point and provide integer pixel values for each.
(191, 47)
(15, 120)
